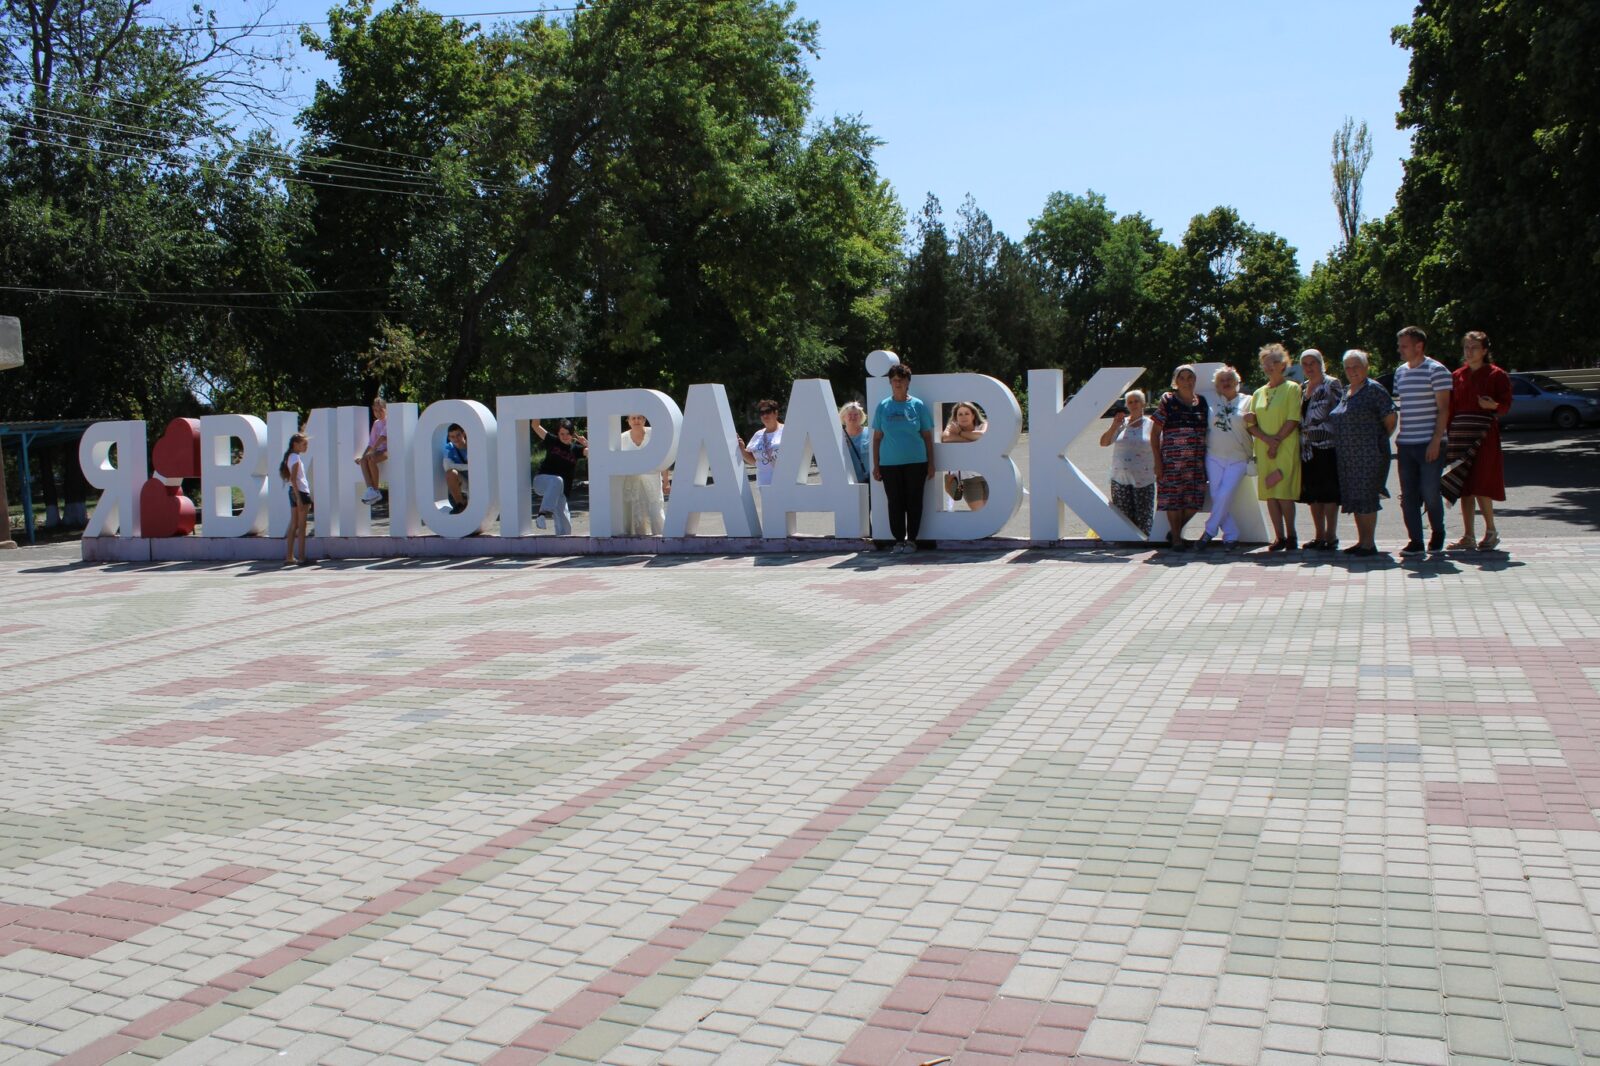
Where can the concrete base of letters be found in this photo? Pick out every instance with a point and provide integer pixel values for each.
(242, 549)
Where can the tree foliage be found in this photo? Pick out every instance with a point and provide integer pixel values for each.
(638, 193)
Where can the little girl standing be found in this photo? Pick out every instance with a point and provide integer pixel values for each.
(293, 471)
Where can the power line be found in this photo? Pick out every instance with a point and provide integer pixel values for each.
(328, 181)
(136, 130)
(123, 298)
(184, 292)
(233, 140)
(324, 22)
(333, 166)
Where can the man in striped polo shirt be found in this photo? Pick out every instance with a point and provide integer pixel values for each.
(1422, 389)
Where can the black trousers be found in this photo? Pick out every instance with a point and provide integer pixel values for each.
(904, 486)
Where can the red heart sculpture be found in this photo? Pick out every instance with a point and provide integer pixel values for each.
(164, 511)
(177, 453)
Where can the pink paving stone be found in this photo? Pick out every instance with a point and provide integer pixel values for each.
(994, 1044)
(883, 590)
(161, 1019)
(1051, 1039)
(983, 990)
(646, 960)
(930, 1045)
(1272, 583)
(944, 971)
(545, 1036)
(971, 1057)
(616, 984)
(943, 954)
(567, 585)
(917, 994)
(989, 967)
(873, 1047)
(897, 1019)
(1010, 1016)
(1066, 1015)
(582, 1008)
(701, 917)
(953, 1017)
(114, 913)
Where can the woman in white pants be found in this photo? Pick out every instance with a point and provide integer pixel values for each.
(1228, 451)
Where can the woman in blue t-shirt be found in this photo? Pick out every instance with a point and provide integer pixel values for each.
(902, 456)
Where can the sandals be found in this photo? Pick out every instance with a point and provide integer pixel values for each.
(1464, 544)
(1490, 541)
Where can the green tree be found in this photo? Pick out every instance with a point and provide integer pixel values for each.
(1498, 215)
(1233, 287)
(116, 177)
(632, 196)
(920, 309)
(1102, 275)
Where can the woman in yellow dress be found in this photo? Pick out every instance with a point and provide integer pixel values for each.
(1274, 421)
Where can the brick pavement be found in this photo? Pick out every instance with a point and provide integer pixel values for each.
(1102, 808)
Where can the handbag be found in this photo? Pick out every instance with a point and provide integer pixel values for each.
(952, 486)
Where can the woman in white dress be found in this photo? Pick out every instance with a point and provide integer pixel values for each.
(643, 512)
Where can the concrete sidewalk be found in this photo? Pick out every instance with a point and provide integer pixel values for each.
(1026, 807)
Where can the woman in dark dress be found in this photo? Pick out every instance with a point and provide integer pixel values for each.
(1479, 397)
(1319, 468)
(1362, 423)
(1178, 442)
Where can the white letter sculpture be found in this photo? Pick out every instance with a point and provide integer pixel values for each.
(989, 456)
(220, 475)
(118, 510)
(607, 460)
(513, 414)
(427, 467)
(811, 431)
(1054, 480)
(715, 481)
(337, 437)
(281, 425)
(404, 521)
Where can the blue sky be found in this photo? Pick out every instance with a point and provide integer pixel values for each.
(1164, 107)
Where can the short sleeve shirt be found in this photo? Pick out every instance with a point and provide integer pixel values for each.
(764, 446)
(561, 459)
(902, 423)
(1414, 390)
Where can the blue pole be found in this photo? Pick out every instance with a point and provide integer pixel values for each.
(27, 488)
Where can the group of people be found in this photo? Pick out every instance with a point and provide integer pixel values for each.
(1325, 444)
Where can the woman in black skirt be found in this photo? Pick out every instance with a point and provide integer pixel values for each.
(1319, 477)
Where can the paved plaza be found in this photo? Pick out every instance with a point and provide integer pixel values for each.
(1031, 807)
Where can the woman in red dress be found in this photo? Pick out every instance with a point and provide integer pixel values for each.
(1481, 389)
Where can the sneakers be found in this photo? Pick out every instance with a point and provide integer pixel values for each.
(906, 547)
(1490, 541)
(1203, 542)
(372, 496)
(1436, 541)
(538, 519)
(1413, 547)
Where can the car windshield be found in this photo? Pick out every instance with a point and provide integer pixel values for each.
(1548, 384)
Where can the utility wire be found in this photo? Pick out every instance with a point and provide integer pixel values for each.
(252, 27)
(122, 298)
(334, 166)
(300, 179)
(302, 159)
(185, 292)
(130, 128)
